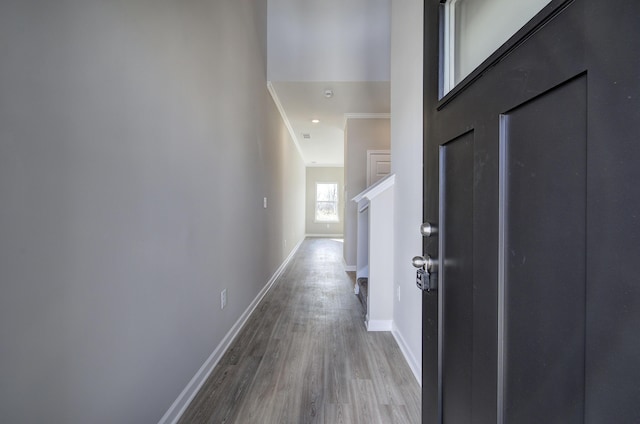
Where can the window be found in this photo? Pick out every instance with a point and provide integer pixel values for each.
(327, 202)
(474, 29)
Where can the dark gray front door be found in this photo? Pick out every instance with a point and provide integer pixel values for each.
(532, 174)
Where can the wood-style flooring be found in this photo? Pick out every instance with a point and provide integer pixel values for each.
(304, 356)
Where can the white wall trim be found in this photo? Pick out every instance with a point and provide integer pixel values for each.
(348, 116)
(178, 407)
(325, 235)
(325, 165)
(414, 364)
(285, 119)
(367, 116)
(379, 325)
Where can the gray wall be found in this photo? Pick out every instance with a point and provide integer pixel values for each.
(360, 135)
(324, 175)
(137, 140)
(406, 150)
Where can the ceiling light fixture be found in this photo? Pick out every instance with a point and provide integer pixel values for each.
(315, 121)
(328, 93)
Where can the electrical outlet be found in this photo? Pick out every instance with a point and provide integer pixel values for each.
(264, 202)
(223, 298)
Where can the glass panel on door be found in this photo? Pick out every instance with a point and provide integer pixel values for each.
(474, 29)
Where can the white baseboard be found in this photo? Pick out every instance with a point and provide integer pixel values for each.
(348, 268)
(176, 410)
(414, 364)
(379, 325)
(324, 235)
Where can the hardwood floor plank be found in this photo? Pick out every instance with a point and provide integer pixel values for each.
(304, 356)
(386, 389)
(358, 349)
(337, 413)
(312, 390)
(365, 408)
(396, 414)
(337, 365)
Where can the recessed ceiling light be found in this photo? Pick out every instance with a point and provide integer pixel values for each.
(315, 121)
(328, 93)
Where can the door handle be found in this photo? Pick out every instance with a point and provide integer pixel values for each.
(427, 229)
(426, 262)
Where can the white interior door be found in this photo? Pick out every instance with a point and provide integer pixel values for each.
(378, 165)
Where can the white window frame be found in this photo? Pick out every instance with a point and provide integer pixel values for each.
(449, 53)
(315, 204)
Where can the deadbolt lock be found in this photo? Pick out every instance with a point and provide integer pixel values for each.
(426, 279)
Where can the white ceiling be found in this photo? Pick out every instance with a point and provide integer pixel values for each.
(304, 101)
(314, 45)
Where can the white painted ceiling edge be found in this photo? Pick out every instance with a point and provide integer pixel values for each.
(315, 45)
(283, 114)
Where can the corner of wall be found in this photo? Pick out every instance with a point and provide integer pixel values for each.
(406, 150)
(414, 363)
(179, 406)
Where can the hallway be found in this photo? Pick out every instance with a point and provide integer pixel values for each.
(304, 356)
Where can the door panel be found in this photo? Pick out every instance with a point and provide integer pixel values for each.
(613, 244)
(457, 288)
(538, 321)
(544, 144)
